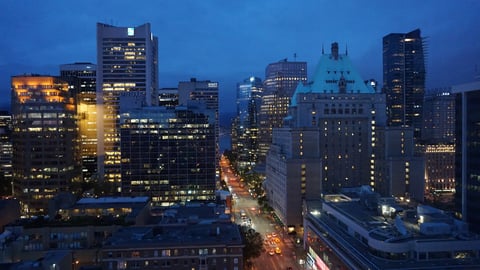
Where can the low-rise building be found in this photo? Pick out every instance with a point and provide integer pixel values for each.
(370, 232)
(181, 246)
(134, 210)
(80, 229)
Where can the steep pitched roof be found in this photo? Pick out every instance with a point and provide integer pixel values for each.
(334, 74)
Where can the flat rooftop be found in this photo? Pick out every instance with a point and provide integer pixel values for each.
(175, 236)
(112, 200)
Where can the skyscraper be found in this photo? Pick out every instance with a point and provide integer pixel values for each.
(127, 59)
(246, 123)
(6, 149)
(168, 154)
(281, 80)
(439, 116)
(81, 78)
(44, 140)
(404, 79)
(467, 152)
(438, 135)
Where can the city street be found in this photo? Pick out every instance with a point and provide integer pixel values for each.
(280, 250)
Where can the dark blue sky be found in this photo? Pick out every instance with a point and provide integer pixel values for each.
(227, 41)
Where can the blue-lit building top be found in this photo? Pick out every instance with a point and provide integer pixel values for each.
(335, 74)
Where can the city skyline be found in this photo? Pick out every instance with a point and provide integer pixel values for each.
(226, 42)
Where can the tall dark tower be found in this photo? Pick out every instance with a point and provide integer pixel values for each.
(81, 78)
(404, 79)
(246, 123)
(467, 153)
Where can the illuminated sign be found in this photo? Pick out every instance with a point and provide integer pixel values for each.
(212, 85)
(131, 31)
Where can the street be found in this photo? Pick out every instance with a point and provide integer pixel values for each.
(280, 249)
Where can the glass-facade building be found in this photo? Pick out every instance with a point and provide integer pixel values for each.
(82, 78)
(249, 98)
(6, 149)
(127, 60)
(404, 79)
(44, 141)
(438, 135)
(467, 153)
(196, 92)
(281, 80)
(168, 154)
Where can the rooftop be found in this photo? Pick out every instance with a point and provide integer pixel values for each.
(112, 200)
(335, 74)
(171, 236)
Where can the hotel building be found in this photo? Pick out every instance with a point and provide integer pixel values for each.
(336, 135)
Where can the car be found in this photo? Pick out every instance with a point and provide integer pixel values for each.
(271, 252)
(278, 250)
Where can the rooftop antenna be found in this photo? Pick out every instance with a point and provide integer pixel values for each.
(323, 51)
(346, 49)
(295, 57)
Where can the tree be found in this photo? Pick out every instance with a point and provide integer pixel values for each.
(5, 186)
(253, 243)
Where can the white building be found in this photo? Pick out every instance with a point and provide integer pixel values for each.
(127, 61)
(370, 232)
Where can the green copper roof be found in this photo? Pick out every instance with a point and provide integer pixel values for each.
(334, 74)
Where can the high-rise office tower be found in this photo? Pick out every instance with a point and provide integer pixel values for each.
(438, 135)
(44, 140)
(168, 154)
(6, 151)
(404, 79)
(194, 92)
(127, 62)
(439, 116)
(281, 80)
(82, 78)
(467, 152)
(246, 126)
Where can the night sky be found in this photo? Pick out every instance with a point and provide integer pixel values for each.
(228, 41)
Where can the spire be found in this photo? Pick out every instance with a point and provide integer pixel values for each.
(346, 49)
(335, 50)
(323, 51)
